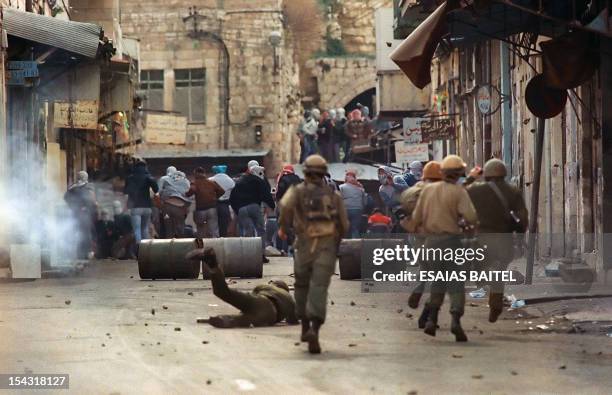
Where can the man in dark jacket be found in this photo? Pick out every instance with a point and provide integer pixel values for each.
(286, 180)
(246, 199)
(138, 187)
(264, 306)
(206, 194)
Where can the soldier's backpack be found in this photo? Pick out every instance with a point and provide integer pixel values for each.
(320, 211)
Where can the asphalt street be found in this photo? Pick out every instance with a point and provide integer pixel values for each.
(116, 334)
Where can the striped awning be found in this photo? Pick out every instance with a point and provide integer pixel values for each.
(76, 37)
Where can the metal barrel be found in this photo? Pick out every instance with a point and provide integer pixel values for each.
(238, 256)
(165, 259)
(351, 251)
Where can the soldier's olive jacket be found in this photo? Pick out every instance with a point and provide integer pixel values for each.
(292, 216)
(285, 305)
(492, 215)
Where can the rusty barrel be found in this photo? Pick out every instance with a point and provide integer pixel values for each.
(238, 256)
(164, 259)
(351, 251)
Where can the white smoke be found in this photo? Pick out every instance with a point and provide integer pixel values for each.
(32, 208)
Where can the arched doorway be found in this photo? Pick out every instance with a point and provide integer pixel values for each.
(366, 98)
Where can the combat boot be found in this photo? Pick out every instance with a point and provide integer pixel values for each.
(414, 299)
(423, 317)
(496, 306)
(305, 328)
(312, 337)
(456, 328)
(432, 321)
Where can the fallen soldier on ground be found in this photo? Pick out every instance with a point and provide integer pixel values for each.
(266, 305)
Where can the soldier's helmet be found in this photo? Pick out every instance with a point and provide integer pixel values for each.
(453, 162)
(495, 168)
(280, 284)
(315, 164)
(432, 171)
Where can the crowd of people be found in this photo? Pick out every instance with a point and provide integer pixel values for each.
(332, 133)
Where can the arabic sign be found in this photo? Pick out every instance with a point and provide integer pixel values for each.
(406, 152)
(19, 70)
(437, 129)
(412, 129)
(82, 114)
(166, 129)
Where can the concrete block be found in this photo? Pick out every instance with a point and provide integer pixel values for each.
(25, 261)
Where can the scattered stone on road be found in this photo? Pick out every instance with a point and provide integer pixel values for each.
(153, 311)
(477, 376)
(68, 302)
(177, 329)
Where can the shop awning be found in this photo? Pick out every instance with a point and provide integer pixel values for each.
(414, 54)
(76, 37)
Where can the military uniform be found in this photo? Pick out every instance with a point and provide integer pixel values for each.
(496, 227)
(318, 218)
(439, 209)
(437, 215)
(315, 257)
(266, 305)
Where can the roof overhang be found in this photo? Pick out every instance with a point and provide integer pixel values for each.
(163, 151)
(76, 37)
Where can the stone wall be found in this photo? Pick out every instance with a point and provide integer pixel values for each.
(245, 27)
(341, 79)
(335, 81)
(356, 19)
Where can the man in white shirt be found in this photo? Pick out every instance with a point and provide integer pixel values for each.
(223, 207)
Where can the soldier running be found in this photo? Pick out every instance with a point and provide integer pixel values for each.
(439, 210)
(501, 212)
(318, 218)
(431, 173)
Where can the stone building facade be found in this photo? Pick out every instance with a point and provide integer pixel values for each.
(258, 88)
(332, 80)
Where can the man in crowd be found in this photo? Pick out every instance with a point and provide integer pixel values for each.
(413, 175)
(501, 212)
(81, 199)
(324, 136)
(223, 207)
(439, 210)
(308, 135)
(106, 235)
(318, 218)
(266, 305)
(138, 187)
(206, 193)
(286, 179)
(340, 138)
(175, 204)
(355, 199)
(123, 248)
(246, 199)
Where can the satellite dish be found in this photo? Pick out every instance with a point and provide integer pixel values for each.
(542, 100)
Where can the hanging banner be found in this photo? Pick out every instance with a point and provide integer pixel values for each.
(412, 129)
(82, 114)
(406, 152)
(433, 129)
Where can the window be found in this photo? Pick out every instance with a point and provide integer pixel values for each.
(189, 95)
(152, 85)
